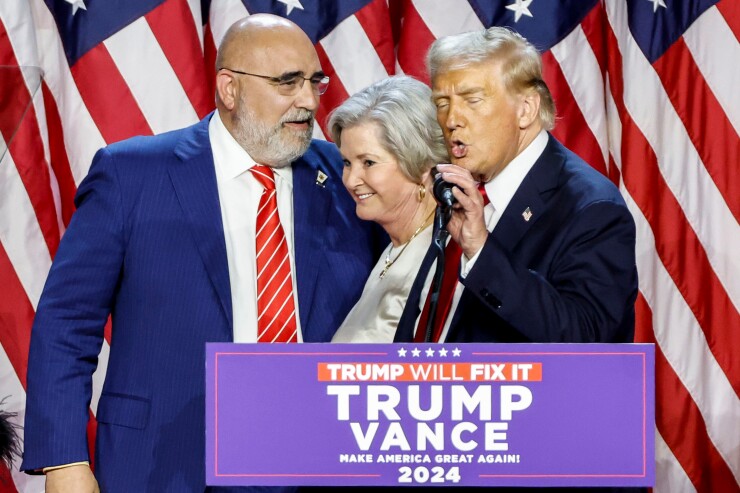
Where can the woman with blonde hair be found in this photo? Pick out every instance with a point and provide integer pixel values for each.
(390, 141)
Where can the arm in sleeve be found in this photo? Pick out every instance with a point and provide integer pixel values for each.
(68, 329)
(585, 293)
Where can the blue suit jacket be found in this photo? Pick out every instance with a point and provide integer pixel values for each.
(567, 274)
(146, 245)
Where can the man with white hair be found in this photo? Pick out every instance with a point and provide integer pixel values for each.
(542, 246)
(546, 243)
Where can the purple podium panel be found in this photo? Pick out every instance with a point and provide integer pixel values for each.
(430, 414)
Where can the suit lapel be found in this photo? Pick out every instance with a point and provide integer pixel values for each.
(311, 205)
(528, 204)
(194, 178)
(405, 329)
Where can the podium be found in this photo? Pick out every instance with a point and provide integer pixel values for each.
(430, 414)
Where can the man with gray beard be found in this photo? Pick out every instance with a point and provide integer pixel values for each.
(171, 238)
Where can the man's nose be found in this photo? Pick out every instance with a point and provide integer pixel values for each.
(307, 97)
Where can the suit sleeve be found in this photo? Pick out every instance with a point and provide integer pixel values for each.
(587, 291)
(68, 329)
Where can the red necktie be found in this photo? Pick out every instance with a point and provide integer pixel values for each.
(276, 320)
(447, 291)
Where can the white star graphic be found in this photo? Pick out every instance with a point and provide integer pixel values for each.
(402, 352)
(521, 7)
(430, 352)
(656, 4)
(291, 4)
(76, 4)
(443, 352)
(415, 353)
(456, 352)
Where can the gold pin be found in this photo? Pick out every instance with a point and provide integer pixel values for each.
(321, 178)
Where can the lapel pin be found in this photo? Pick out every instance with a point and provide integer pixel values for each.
(321, 178)
(527, 214)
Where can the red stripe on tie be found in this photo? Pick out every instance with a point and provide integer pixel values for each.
(276, 320)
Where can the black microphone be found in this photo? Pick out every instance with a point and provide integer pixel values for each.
(443, 191)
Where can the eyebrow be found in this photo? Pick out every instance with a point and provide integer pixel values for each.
(465, 92)
(300, 73)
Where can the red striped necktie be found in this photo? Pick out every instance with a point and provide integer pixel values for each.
(447, 291)
(276, 320)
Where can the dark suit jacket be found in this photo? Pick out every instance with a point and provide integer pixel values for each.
(146, 245)
(567, 274)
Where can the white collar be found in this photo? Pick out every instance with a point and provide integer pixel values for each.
(502, 187)
(230, 158)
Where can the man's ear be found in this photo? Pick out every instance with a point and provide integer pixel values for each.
(226, 89)
(529, 108)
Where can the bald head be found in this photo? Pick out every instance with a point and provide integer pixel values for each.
(270, 118)
(256, 36)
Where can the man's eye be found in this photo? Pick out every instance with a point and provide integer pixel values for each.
(287, 83)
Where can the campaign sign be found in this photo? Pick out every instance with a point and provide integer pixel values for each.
(430, 414)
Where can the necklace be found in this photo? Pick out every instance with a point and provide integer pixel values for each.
(388, 261)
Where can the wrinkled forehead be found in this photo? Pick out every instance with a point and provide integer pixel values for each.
(466, 79)
(274, 52)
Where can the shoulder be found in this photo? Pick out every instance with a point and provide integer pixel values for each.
(142, 161)
(325, 156)
(581, 181)
(153, 146)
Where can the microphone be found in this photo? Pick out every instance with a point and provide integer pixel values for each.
(443, 191)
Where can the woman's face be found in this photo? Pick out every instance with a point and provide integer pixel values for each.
(373, 177)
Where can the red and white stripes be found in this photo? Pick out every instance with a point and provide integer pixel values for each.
(667, 133)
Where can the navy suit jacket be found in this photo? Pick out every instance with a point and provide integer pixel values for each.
(567, 274)
(146, 246)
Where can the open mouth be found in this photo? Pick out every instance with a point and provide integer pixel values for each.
(363, 196)
(458, 149)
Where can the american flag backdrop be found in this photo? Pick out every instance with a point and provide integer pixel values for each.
(648, 92)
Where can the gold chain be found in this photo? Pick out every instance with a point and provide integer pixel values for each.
(388, 261)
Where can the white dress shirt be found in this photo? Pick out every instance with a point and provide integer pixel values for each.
(500, 191)
(239, 195)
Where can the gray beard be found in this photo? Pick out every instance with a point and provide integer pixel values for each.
(269, 145)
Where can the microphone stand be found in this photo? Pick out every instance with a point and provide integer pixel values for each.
(439, 239)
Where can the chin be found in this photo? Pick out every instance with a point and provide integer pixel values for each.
(364, 214)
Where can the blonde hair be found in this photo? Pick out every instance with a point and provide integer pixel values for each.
(521, 63)
(402, 108)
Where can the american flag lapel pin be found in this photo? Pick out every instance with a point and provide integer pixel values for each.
(321, 178)
(527, 214)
